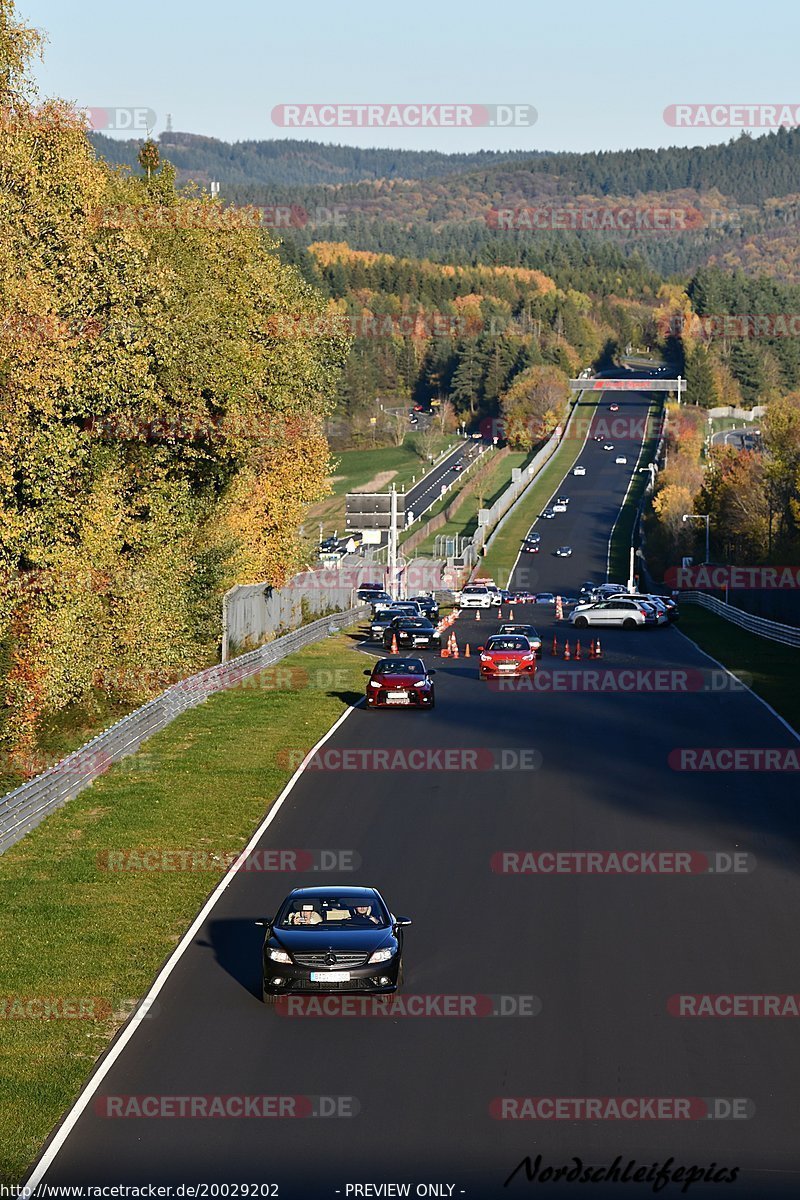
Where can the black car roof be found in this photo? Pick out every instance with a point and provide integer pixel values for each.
(333, 890)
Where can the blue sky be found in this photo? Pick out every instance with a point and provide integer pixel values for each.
(599, 75)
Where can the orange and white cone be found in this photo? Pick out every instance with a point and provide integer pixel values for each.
(591, 648)
(567, 655)
(466, 651)
(394, 649)
(598, 653)
(499, 614)
(554, 650)
(511, 614)
(477, 614)
(578, 651)
(453, 646)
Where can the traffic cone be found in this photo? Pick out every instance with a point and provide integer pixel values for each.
(554, 651)
(443, 650)
(499, 614)
(578, 652)
(511, 614)
(598, 653)
(591, 648)
(394, 649)
(567, 655)
(466, 651)
(453, 646)
(477, 614)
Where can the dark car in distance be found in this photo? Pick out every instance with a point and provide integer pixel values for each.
(332, 940)
(411, 633)
(428, 604)
(400, 683)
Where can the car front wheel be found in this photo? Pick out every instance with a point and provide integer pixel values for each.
(581, 623)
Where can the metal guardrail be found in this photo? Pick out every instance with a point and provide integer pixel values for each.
(28, 805)
(787, 635)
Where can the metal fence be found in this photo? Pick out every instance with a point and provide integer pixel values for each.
(24, 808)
(787, 635)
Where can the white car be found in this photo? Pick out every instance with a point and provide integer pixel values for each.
(564, 552)
(613, 613)
(579, 470)
(559, 508)
(622, 460)
(608, 446)
(475, 595)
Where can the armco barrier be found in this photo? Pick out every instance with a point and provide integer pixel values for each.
(23, 809)
(787, 635)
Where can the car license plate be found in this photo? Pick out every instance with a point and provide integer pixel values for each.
(507, 666)
(420, 641)
(397, 697)
(330, 976)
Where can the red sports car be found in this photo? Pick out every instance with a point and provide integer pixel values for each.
(400, 683)
(506, 655)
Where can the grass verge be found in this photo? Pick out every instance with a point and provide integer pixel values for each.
(73, 930)
(770, 669)
(505, 545)
(356, 468)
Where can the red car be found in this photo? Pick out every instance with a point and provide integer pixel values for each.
(400, 683)
(506, 655)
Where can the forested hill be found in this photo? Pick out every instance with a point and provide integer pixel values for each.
(747, 169)
(290, 163)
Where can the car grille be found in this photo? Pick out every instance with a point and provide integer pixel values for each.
(342, 961)
(353, 985)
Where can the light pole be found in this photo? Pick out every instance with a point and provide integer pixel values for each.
(699, 517)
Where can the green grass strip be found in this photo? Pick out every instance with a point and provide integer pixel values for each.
(73, 930)
(770, 669)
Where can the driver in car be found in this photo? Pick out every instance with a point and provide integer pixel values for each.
(365, 914)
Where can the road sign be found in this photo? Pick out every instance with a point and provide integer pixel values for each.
(372, 510)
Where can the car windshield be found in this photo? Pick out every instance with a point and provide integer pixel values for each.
(399, 666)
(343, 911)
(507, 643)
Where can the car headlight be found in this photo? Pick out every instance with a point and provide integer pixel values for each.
(486, 658)
(374, 683)
(279, 955)
(381, 956)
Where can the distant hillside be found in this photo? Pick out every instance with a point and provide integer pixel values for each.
(743, 198)
(296, 163)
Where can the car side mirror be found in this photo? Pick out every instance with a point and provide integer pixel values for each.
(432, 672)
(266, 924)
(367, 671)
(402, 922)
(480, 649)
